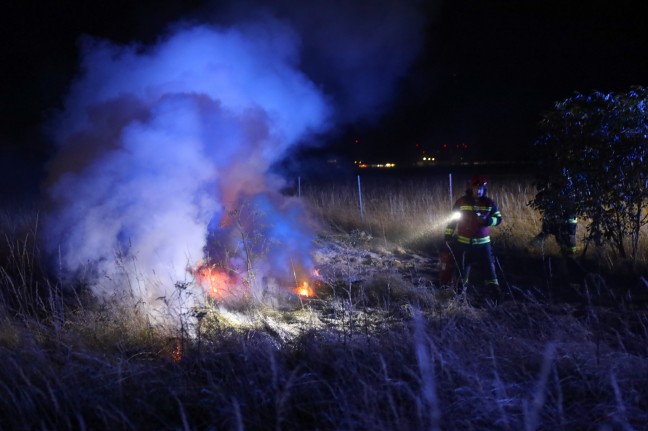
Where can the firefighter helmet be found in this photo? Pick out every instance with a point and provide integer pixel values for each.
(478, 181)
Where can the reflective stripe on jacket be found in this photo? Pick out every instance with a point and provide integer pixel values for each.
(477, 216)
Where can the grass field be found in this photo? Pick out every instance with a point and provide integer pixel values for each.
(378, 349)
(413, 210)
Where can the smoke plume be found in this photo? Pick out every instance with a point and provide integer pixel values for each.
(163, 154)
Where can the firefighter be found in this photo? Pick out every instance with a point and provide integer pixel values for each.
(468, 232)
(558, 217)
(564, 231)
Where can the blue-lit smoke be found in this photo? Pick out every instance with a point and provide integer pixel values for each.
(355, 50)
(157, 144)
(154, 144)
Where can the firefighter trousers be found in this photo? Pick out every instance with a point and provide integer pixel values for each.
(481, 255)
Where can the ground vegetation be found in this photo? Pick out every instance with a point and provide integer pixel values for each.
(381, 345)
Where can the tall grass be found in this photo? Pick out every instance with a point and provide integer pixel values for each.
(414, 211)
(391, 355)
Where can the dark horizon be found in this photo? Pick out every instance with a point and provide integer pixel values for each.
(481, 75)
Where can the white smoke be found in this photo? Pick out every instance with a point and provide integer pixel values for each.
(157, 144)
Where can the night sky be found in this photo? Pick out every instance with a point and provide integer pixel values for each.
(490, 69)
(483, 74)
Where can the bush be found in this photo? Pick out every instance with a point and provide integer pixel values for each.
(597, 145)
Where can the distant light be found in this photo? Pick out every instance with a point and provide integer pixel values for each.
(456, 215)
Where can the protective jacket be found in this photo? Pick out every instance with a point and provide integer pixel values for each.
(563, 229)
(478, 214)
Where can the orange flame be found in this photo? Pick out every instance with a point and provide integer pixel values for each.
(304, 290)
(173, 349)
(176, 355)
(214, 281)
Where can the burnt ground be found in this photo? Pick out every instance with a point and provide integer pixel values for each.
(352, 260)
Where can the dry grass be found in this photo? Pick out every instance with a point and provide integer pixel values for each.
(414, 212)
(414, 209)
(379, 352)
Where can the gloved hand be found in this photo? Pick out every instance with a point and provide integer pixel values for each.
(483, 219)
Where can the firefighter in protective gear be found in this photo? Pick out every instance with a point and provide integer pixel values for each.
(557, 202)
(559, 217)
(563, 229)
(469, 233)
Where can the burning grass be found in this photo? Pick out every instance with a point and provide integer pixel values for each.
(371, 342)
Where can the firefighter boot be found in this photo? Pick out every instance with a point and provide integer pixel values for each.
(493, 292)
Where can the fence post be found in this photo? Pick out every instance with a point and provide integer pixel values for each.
(450, 187)
(360, 199)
